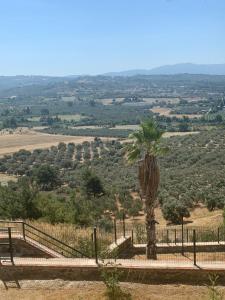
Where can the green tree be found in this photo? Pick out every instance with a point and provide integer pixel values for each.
(146, 146)
(174, 210)
(92, 184)
(46, 177)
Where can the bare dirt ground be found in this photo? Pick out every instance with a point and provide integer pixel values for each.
(166, 112)
(64, 290)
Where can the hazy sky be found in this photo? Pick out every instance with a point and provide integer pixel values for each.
(63, 37)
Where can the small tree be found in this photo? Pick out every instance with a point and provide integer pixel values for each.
(46, 177)
(174, 210)
(92, 184)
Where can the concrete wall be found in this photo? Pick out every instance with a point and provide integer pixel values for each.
(143, 275)
(21, 249)
(168, 249)
(122, 248)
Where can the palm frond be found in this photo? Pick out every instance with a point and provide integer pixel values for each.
(145, 140)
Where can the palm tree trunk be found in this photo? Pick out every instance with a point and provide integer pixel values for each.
(151, 250)
(149, 181)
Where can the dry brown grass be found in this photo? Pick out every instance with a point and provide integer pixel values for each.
(31, 140)
(60, 290)
(200, 216)
(4, 178)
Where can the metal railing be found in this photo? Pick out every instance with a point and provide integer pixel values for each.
(8, 244)
(28, 231)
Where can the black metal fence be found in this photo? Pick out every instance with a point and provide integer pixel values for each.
(182, 243)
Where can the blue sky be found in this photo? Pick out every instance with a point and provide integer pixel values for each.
(63, 37)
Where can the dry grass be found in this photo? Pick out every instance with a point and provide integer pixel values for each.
(4, 178)
(178, 133)
(108, 101)
(31, 140)
(64, 290)
(200, 216)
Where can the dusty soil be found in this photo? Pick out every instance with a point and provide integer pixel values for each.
(64, 290)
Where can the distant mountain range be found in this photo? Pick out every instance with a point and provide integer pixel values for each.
(188, 68)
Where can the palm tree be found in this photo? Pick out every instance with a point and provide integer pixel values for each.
(145, 146)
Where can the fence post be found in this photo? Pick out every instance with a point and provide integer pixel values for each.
(194, 246)
(10, 244)
(182, 236)
(124, 230)
(132, 236)
(115, 231)
(175, 236)
(23, 231)
(96, 245)
(92, 244)
(218, 235)
(187, 236)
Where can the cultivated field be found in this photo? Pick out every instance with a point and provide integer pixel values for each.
(30, 140)
(166, 100)
(73, 117)
(164, 111)
(109, 101)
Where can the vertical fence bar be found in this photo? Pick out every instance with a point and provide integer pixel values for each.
(218, 235)
(23, 231)
(167, 236)
(96, 245)
(115, 231)
(182, 236)
(187, 236)
(132, 236)
(175, 236)
(194, 246)
(124, 229)
(92, 244)
(10, 244)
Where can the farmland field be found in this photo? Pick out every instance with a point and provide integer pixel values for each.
(109, 101)
(74, 117)
(164, 111)
(31, 140)
(166, 100)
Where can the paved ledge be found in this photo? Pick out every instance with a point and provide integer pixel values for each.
(121, 263)
(151, 272)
